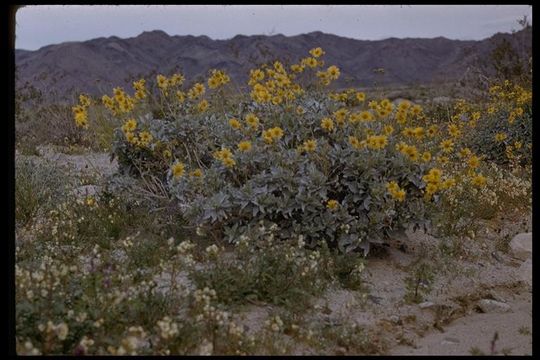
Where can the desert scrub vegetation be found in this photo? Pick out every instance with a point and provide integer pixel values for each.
(226, 199)
(335, 167)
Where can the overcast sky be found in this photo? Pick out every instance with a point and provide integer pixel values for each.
(42, 25)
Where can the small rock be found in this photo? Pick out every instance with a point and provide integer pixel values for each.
(521, 246)
(395, 319)
(86, 190)
(525, 272)
(492, 306)
(450, 341)
(426, 305)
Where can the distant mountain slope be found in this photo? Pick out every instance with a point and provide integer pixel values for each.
(97, 65)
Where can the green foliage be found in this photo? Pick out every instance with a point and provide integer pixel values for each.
(420, 283)
(38, 185)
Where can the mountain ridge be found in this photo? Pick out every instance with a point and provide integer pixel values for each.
(96, 66)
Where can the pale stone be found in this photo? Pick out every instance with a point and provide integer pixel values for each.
(492, 306)
(521, 246)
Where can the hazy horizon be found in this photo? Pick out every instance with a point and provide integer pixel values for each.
(55, 24)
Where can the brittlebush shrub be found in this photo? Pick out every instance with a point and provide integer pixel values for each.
(335, 167)
(500, 129)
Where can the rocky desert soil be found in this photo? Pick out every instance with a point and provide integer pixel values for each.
(480, 303)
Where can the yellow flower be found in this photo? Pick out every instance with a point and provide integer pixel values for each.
(213, 82)
(333, 72)
(353, 140)
(332, 204)
(252, 120)
(366, 116)
(404, 105)
(244, 146)
(327, 124)
(180, 96)
(176, 79)
(309, 62)
(297, 68)
(388, 129)
(129, 126)
(300, 110)
(167, 153)
(447, 145)
(465, 152)
(377, 142)
(392, 186)
(84, 100)
(448, 183)
(178, 170)
(473, 162)
(90, 201)
(197, 173)
(500, 137)
(202, 106)
(433, 176)
(399, 195)
(229, 162)
(426, 156)
(267, 136)
(416, 110)
(310, 145)
(145, 137)
(518, 144)
(431, 188)
(453, 130)
(317, 52)
(432, 131)
(340, 115)
(224, 153)
(234, 123)
(360, 96)
(276, 132)
(479, 180)
(162, 82)
(131, 138)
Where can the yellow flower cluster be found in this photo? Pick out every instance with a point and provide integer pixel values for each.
(225, 156)
(279, 86)
(396, 192)
(244, 145)
(80, 111)
(272, 134)
(331, 73)
(140, 89)
(411, 151)
(196, 91)
(252, 120)
(433, 180)
(217, 79)
(377, 141)
(120, 103)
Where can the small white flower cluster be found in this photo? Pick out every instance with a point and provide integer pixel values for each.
(274, 323)
(131, 343)
(167, 328)
(212, 250)
(61, 330)
(28, 349)
(185, 247)
(86, 343)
